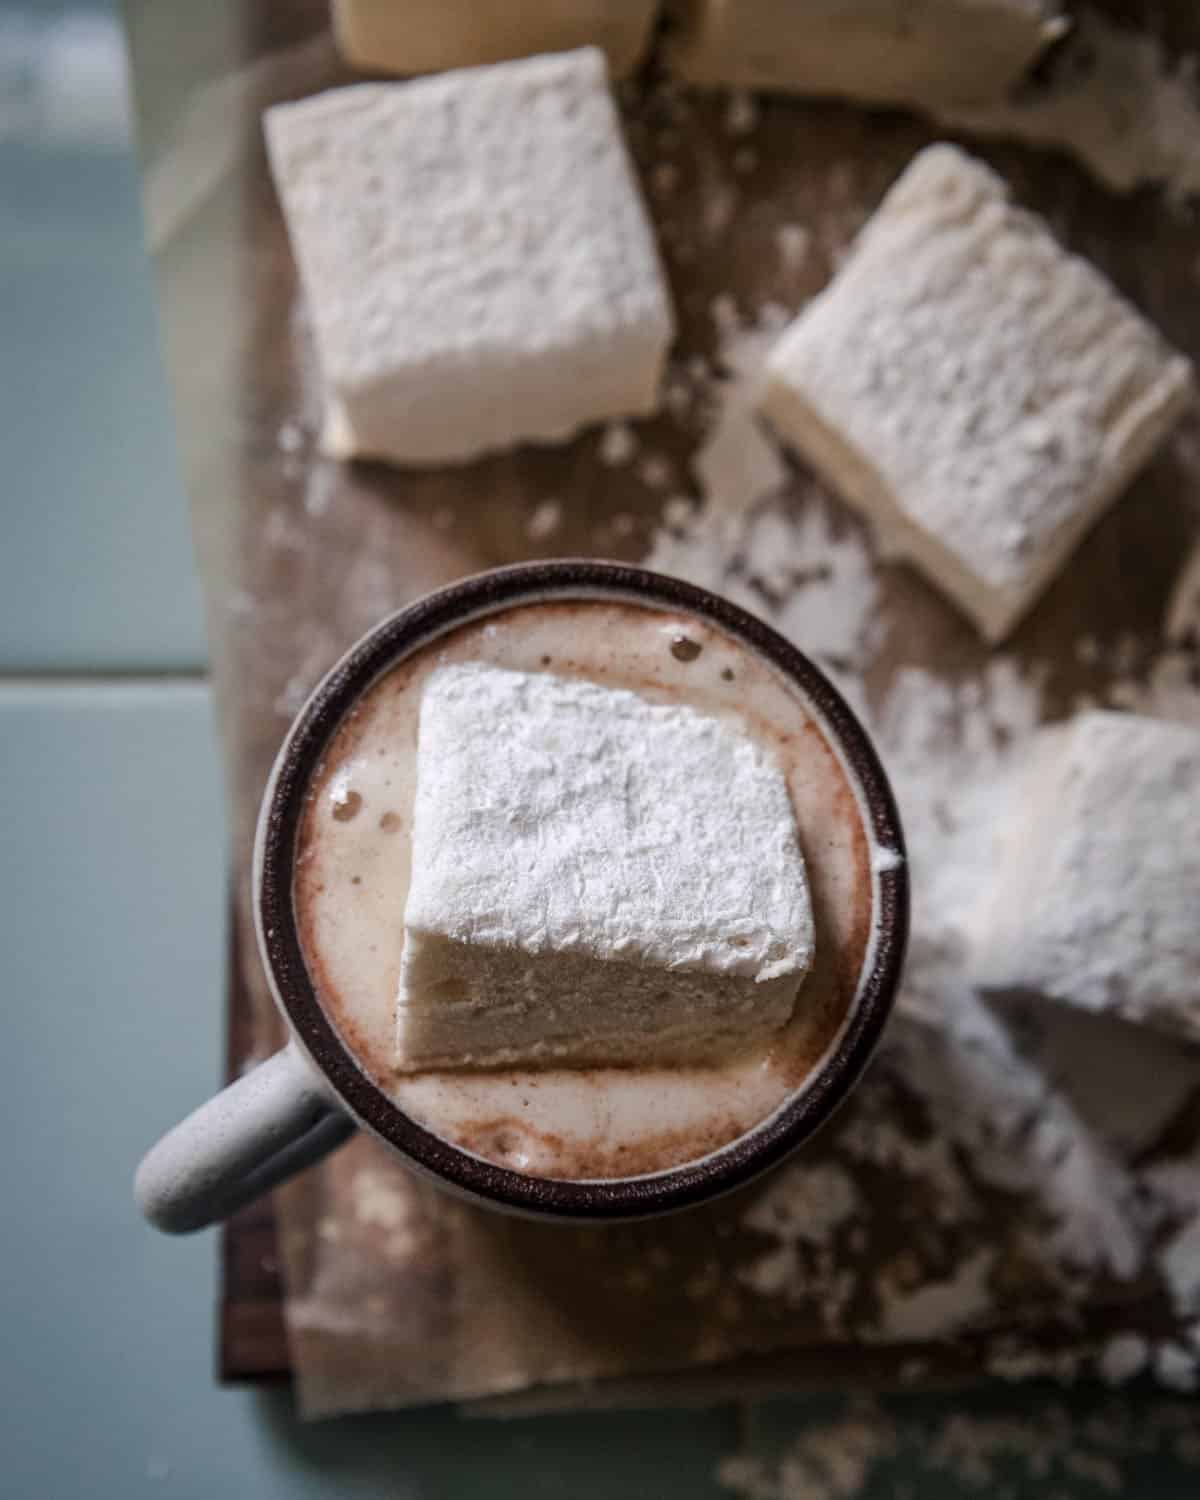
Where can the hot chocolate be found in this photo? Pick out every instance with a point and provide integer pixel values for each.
(352, 876)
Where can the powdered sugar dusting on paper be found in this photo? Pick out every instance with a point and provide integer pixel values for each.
(1003, 1111)
(761, 534)
(938, 1307)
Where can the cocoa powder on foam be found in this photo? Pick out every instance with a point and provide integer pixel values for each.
(352, 878)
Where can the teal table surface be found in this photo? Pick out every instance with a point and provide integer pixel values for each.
(95, 565)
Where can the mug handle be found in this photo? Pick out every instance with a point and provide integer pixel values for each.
(265, 1127)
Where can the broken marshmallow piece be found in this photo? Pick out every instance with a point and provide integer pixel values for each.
(425, 36)
(926, 53)
(596, 879)
(1097, 898)
(978, 393)
(476, 257)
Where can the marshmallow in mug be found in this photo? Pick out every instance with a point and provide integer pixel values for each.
(476, 256)
(596, 879)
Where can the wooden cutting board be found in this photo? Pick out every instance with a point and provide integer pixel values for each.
(300, 555)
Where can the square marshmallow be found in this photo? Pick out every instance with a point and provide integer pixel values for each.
(596, 878)
(425, 36)
(920, 52)
(1097, 897)
(977, 392)
(476, 256)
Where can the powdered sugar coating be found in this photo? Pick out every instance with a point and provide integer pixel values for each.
(558, 819)
(976, 390)
(477, 257)
(1097, 902)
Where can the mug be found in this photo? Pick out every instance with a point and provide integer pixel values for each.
(310, 1096)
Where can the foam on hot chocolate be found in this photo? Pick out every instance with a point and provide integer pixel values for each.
(352, 878)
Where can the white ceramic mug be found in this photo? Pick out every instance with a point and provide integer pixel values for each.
(309, 1097)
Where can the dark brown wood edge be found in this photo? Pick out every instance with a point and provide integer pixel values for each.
(252, 1346)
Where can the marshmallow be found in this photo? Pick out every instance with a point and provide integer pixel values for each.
(425, 36)
(596, 879)
(476, 256)
(1097, 898)
(920, 52)
(978, 393)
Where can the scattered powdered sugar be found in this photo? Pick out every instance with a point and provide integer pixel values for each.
(618, 444)
(773, 1273)
(1180, 1262)
(805, 1203)
(761, 534)
(1124, 1356)
(312, 651)
(1020, 1133)
(677, 398)
(792, 562)
(742, 114)
(803, 1210)
(1175, 1367)
(736, 465)
(320, 487)
(378, 1202)
(1010, 1109)
(937, 1308)
(678, 511)
(1167, 690)
(1061, 1122)
(1176, 1182)
(951, 750)
(794, 242)
(873, 1137)
(544, 520)
(723, 310)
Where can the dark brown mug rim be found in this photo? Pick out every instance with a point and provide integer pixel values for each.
(398, 637)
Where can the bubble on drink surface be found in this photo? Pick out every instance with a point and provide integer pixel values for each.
(346, 802)
(684, 648)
